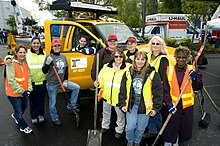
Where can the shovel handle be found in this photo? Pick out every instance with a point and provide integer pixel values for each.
(210, 98)
(58, 77)
(96, 91)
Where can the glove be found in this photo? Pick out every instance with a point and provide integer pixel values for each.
(171, 108)
(49, 60)
(26, 93)
(65, 83)
(192, 74)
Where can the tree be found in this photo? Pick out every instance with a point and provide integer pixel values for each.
(170, 6)
(152, 7)
(42, 4)
(198, 10)
(11, 21)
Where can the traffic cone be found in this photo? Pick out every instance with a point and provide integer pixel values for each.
(1, 63)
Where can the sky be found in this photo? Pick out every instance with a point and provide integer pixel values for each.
(33, 8)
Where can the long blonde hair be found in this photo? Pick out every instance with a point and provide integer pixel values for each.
(162, 43)
(133, 68)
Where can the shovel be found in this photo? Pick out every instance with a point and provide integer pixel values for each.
(73, 111)
(205, 118)
(94, 137)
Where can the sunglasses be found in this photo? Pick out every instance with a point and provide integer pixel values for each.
(156, 44)
(118, 56)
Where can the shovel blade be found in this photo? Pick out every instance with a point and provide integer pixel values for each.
(94, 138)
(205, 120)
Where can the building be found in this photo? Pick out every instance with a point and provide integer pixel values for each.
(7, 9)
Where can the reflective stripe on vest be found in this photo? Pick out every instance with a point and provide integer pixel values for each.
(188, 94)
(21, 76)
(147, 88)
(35, 63)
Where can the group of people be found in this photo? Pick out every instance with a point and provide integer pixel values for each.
(143, 88)
(3, 36)
(29, 75)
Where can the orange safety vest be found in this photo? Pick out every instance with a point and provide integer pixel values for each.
(188, 94)
(21, 76)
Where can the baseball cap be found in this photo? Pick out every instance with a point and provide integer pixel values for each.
(112, 37)
(55, 42)
(132, 39)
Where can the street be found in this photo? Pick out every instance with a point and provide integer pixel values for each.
(46, 134)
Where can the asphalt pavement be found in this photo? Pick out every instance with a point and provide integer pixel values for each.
(46, 134)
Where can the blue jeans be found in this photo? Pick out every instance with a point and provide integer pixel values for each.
(136, 124)
(19, 105)
(52, 93)
(155, 123)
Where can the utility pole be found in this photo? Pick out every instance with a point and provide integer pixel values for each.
(144, 17)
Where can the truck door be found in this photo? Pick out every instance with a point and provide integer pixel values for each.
(79, 64)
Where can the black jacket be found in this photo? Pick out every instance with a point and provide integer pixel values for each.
(157, 91)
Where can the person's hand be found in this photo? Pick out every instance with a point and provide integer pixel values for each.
(192, 74)
(26, 93)
(153, 113)
(96, 83)
(124, 109)
(171, 108)
(65, 83)
(8, 61)
(49, 60)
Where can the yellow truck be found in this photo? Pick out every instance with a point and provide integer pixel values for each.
(95, 30)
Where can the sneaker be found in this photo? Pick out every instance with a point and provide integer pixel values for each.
(118, 135)
(104, 130)
(26, 130)
(69, 108)
(41, 119)
(130, 144)
(12, 115)
(57, 122)
(34, 121)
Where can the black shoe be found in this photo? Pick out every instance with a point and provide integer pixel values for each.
(57, 122)
(149, 135)
(118, 135)
(103, 130)
(76, 109)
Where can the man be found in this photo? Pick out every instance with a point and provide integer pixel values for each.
(82, 47)
(1, 37)
(131, 45)
(105, 56)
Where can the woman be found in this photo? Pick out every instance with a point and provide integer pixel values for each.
(35, 60)
(157, 58)
(140, 97)
(180, 125)
(109, 80)
(60, 62)
(18, 87)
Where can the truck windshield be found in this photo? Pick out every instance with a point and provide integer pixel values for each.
(147, 29)
(120, 30)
